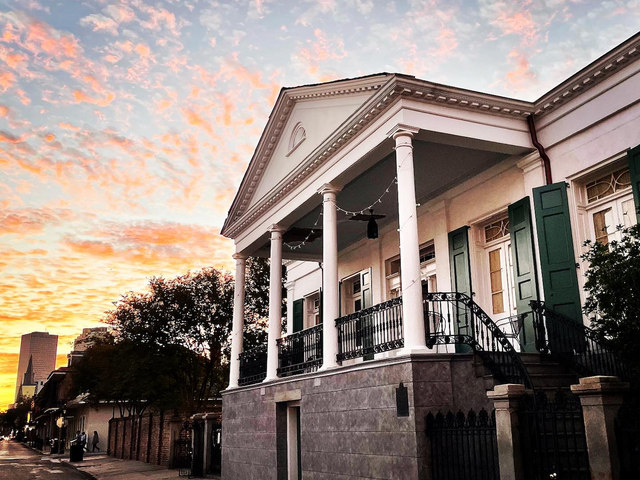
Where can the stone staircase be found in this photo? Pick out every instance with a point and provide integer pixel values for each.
(545, 373)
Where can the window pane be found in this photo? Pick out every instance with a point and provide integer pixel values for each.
(496, 230)
(600, 225)
(608, 185)
(498, 303)
(629, 213)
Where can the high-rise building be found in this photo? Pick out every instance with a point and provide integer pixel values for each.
(85, 340)
(41, 349)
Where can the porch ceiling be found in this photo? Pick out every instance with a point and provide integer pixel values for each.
(440, 162)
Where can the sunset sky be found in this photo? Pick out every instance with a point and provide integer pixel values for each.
(126, 126)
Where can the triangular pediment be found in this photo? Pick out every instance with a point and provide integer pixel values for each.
(302, 119)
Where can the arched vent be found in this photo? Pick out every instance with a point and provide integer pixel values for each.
(298, 135)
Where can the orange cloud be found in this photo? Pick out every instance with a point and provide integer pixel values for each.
(101, 102)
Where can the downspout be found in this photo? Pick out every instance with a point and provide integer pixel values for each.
(543, 155)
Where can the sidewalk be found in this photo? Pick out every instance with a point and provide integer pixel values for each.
(103, 467)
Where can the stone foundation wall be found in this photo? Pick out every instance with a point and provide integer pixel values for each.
(349, 423)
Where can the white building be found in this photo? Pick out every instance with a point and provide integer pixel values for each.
(488, 197)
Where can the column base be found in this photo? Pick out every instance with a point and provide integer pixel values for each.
(415, 349)
(270, 379)
(324, 367)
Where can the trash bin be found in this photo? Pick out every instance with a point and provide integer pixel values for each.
(76, 453)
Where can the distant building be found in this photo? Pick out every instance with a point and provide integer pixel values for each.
(86, 340)
(37, 349)
(28, 387)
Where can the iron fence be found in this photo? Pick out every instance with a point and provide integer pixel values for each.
(253, 365)
(183, 453)
(463, 447)
(627, 428)
(553, 437)
(372, 330)
(300, 352)
(573, 343)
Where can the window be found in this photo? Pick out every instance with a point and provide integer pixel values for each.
(427, 269)
(499, 271)
(610, 205)
(313, 310)
(298, 135)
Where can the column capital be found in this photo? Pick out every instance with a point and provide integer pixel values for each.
(402, 129)
(239, 256)
(275, 228)
(290, 285)
(329, 188)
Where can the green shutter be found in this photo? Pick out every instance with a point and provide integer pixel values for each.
(524, 266)
(460, 277)
(557, 259)
(634, 169)
(298, 315)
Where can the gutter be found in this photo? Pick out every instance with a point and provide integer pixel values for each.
(543, 154)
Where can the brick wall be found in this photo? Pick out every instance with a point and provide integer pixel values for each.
(147, 440)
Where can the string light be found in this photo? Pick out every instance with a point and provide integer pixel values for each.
(379, 200)
(346, 212)
(303, 242)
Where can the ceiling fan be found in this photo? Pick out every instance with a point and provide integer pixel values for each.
(372, 225)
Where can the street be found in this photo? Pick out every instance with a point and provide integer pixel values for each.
(20, 463)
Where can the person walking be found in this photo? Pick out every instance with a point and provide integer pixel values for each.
(95, 441)
(83, 441)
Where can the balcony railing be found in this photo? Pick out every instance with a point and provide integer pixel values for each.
(300, 352)
(253, 365)
(372, 330)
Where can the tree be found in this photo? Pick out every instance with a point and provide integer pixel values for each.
(613, 286)
(257, 301)
(15, 419)
(171, 346)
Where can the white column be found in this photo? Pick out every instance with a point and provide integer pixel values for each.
(412, 314)
(330, 284)
(238, 320)
(275, 302)
(290, 299)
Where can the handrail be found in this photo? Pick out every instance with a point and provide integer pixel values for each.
(462, 321)
(253, 365)
(373, 330)
(574, 344)
(300, 352)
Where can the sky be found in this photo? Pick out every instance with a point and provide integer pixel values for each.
(126, 126)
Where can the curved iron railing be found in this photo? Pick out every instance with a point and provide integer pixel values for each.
(574, 344)
(454, 318)
(253, 365)
(300, 352)
(372, 330)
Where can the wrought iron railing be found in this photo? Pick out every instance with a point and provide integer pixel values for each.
(454, 318)
(300, 352)
(253, 365)
(574, 344)
(463, 447)
(372, 330)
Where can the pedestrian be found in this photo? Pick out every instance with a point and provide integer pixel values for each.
(95, 441)
(83, 441)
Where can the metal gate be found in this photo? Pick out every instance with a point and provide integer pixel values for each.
(628, 438)
(463, 447)
(553, 438)
(197, 467)
(182, 456)
(215, 463)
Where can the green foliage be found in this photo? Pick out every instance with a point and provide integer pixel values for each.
(257, 301)
(613, 286)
